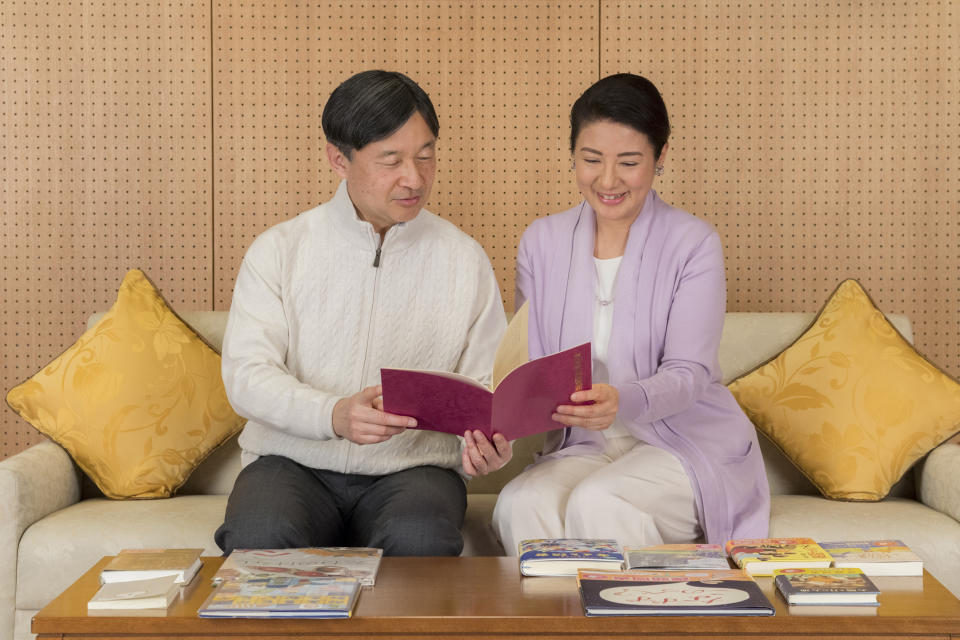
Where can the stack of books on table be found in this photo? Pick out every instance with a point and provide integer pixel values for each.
(697, 579)
(148, 580)
(317, 582)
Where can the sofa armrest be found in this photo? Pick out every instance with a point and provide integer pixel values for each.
(939, 480)
(33, 484)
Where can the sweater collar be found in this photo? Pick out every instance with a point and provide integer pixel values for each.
(359, 232)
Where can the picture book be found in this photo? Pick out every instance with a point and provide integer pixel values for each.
(825, 586)
(875, 557)
(361, 563)
(151, 593)
(676, 556)
(710, 592)
(140, 564)
(282, 597)
(522, 404)
(564, 556)
(760, 556)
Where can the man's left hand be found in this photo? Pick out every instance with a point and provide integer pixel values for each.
(481, 456)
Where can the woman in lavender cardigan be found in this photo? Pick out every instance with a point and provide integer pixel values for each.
(664, 454)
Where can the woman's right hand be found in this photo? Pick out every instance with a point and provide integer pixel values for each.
(596, 416)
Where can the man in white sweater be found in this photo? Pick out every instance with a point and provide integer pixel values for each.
(369, 279)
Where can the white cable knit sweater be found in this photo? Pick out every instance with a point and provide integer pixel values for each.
(312, 321)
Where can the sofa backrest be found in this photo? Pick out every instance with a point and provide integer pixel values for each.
(748, 340)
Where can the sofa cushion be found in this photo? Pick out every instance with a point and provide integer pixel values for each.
(137, 400)
(934, 536)
(850, 402)
(58, 549)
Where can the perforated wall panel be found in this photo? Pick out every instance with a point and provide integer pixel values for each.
(822, 139)
(105, 145)
(501, 75)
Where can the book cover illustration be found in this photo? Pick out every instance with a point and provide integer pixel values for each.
(361, 563)
(521, 405)
(672, 593)
(760, 556)
(825, 586)
(140, 564)
(564, 556)
(875, 557)
(282, 597)
(676, 556)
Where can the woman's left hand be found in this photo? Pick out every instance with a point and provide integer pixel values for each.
(481, 456)
(596, 416)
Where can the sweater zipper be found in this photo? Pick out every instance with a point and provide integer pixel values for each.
(366, 348)
(373, 306)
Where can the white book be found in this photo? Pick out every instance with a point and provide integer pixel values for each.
(153, 593)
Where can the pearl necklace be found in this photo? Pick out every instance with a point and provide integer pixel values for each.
(604, 300)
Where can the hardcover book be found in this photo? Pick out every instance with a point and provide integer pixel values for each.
(676, 556)
(716, 592)
(875, 557)
(282, 597)
(564, 556)
(521, 405)
(140, 564)
(361, 563)
(760, 556)
(151, 593)
(825, 586)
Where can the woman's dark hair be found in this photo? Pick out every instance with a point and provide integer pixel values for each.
(372, 105)
(627, 99)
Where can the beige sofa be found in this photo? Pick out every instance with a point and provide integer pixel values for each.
(54, 525)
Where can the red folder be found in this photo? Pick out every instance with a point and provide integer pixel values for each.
(521, 405)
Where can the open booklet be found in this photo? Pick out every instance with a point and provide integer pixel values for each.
(521, 405)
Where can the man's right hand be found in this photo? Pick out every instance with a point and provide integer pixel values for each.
(360, 418)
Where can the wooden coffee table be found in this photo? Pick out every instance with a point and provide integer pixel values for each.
(486, 598)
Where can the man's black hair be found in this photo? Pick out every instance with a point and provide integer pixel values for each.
(372, 105)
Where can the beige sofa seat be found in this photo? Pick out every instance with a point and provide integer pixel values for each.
(54, 524)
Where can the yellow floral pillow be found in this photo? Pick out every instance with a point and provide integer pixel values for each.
(851, 403)
(137, 400)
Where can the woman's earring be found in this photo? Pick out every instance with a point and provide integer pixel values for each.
(573, 165)
(659, 170)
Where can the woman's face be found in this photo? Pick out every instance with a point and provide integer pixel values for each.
(615, 167)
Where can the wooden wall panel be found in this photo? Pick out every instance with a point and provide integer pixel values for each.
(501, 74)
(822, 139)
(104, 138)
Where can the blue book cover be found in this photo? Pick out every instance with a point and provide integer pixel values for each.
(564, 556)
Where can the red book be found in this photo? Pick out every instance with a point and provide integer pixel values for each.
(521, 405)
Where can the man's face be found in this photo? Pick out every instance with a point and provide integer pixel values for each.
(389, 180)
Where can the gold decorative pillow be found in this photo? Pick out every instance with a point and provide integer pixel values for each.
(137, 400)
(851, 403)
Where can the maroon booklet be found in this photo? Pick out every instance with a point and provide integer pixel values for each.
(521, 405)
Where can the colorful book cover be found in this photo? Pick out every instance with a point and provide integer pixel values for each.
(825, 586)
(672, 593)
(760, 556)
(564, 556)
(282, 597)
(361, 563)
(676, 556)
(521, 405)
(875, 557)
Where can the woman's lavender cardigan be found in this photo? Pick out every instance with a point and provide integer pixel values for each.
(670, 301)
